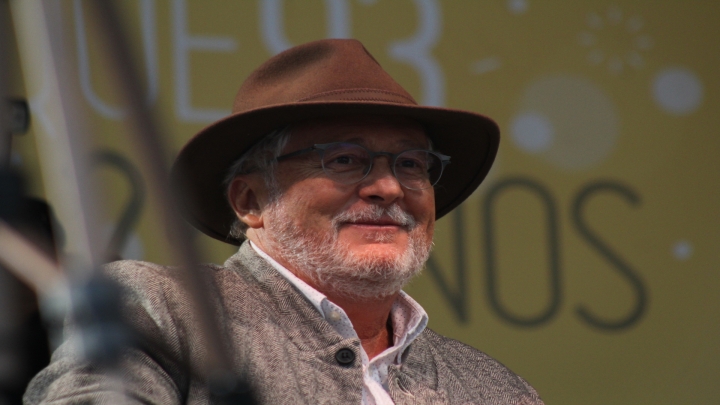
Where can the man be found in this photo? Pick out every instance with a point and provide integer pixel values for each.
(330, 177)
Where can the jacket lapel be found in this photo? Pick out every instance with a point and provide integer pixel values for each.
(288, 305)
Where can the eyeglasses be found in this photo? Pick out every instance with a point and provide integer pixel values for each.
(349, 163)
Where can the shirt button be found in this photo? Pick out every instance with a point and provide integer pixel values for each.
(334, 316)
(345, 357)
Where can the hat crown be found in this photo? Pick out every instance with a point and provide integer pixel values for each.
(325, 70)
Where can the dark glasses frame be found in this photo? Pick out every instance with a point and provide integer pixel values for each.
(392, 157)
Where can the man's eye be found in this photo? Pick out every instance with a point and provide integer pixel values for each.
(411, 164)
(344, 162)
(344, 159)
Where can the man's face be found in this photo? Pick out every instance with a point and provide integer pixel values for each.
(376, 225)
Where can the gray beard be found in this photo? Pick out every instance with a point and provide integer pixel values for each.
(333, 267)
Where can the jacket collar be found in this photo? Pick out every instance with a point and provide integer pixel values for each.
(287, 305)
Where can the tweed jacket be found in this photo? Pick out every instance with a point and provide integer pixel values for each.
(281, 344)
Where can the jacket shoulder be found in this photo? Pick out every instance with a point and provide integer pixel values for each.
(144, 275)
(154, 307)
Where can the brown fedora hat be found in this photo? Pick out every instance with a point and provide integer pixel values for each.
(319, 79)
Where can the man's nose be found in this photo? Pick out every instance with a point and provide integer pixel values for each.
(381, 185)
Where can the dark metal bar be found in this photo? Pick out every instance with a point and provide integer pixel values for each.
(146, 134)
(5, 127)
(64, 152)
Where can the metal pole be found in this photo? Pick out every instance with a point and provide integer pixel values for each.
(67, 162)
(63, 144)
(5, 132)
(146, 134)
(20, 260)
(61, 130)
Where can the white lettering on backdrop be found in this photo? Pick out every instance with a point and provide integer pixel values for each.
(149, 39)
(416, 51)
(182, 44)
(272, 21)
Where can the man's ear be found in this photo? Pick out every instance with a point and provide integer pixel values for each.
(243, 196)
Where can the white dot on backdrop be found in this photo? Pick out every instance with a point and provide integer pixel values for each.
(677, 91)
(517, 6)
(594, 20)
(643, 42)
(565, 120)
(682, 250)
(614, 15)
(635, 60)
(586, 38)
(615, 65)
(532, 132)
(595, 57)
(634, 24)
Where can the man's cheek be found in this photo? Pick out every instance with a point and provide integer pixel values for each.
(430, 230)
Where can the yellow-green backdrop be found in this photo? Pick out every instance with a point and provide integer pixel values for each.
(588, 262)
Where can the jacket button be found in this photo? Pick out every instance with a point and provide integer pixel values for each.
(345, 357)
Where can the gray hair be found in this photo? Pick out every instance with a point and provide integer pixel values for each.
(258, 159)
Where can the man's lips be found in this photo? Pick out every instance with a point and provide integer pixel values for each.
(376, 224)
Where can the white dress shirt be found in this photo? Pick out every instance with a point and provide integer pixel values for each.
(409, 319)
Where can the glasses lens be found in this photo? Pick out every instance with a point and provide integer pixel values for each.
(345, 162)
(418, 169)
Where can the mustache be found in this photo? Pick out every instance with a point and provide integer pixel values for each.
(373, 213)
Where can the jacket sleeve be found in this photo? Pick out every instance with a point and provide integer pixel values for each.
(151, 372)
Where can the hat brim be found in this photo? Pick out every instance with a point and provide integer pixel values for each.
(470, 139)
